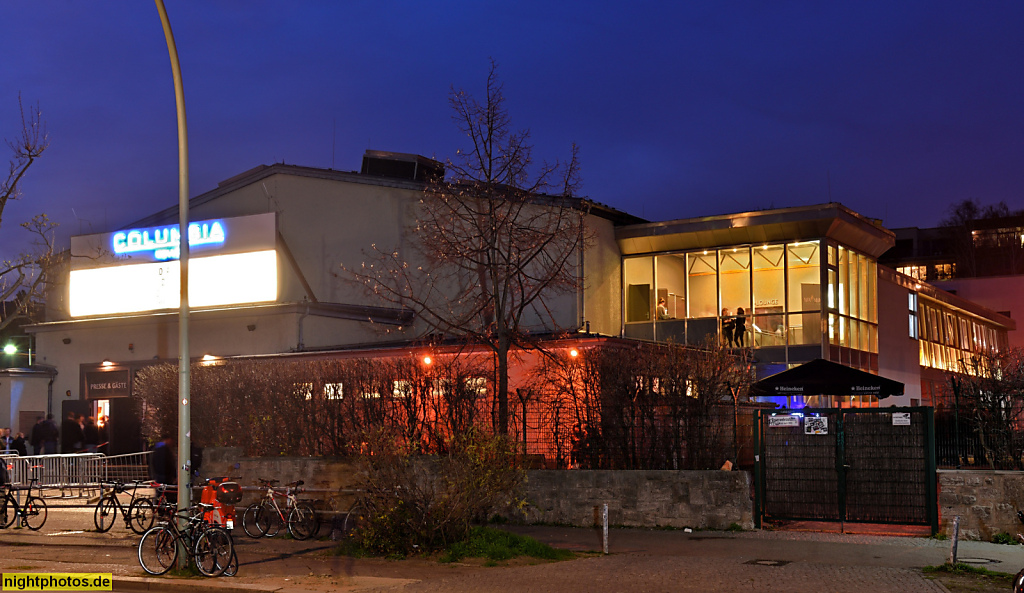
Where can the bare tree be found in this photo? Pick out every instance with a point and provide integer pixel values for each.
(493, 245)
(23, 278)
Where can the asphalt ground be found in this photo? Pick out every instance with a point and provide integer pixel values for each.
(639, 560)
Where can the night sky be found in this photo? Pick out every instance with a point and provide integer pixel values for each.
(680, 109)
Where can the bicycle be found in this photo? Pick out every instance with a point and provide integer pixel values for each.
(210, 547)
(263, 518)
(32, 513)
(345, 522)
(138, 514)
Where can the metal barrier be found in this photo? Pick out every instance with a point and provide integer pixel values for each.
(75, 474)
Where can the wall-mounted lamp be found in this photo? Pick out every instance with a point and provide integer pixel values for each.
(66, 340)
(251, 327)
(574, 353)
(427, 360)
(106, 363)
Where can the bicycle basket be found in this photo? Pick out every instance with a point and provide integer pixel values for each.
(229, 493)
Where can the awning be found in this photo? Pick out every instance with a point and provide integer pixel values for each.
(821, 377)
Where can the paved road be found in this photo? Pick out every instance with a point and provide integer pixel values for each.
(641, 560)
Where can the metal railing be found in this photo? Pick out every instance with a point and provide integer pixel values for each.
(75, 474)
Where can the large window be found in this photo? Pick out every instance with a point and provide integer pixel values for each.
(804, 292)
(638, 277)
(702, 278)
(671, 292)
(734, 279)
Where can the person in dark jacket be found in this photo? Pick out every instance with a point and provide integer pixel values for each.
(161, 462)
(20, 445)
(90, 435)
(49, 435)
(71, 435)
(35, 436)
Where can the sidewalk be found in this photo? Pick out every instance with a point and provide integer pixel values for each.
(648, 560)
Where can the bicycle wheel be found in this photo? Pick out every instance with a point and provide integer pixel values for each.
(302, 523)
(35, 513)
(249, 523)
(140, 515)
(213, 551)
(8, 510)
(1018, 582)
(353, 518)
(268, 520)
(105, 514)
(232, 568)
(158, 550)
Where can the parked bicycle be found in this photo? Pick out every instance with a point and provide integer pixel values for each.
(32, 513)
(138, 513)
(210, 547)
(263, 518)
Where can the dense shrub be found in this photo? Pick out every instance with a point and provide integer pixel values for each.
(415, 503)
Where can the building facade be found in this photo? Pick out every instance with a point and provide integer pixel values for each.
(267, 247)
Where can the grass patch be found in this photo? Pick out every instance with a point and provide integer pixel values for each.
(963, 569)
(496, 545)
(1004, 538)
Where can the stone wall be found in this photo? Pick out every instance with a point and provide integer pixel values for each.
(698, 499)
(986, 501)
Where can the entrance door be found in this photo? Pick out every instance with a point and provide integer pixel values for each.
(860, 465)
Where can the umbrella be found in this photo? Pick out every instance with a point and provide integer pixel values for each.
(822, 377)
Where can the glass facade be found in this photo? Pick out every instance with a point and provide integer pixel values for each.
(949, 339)
(775, 290)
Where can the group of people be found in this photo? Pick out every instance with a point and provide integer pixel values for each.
(77, 434)
(81, 434)
(15, 444)
(734, 328)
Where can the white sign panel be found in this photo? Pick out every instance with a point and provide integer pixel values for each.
(815, 425)
(783, 421)
(901, 418)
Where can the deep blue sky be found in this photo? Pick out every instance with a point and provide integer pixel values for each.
(680, 109)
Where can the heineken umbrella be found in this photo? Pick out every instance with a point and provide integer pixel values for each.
(821, 377)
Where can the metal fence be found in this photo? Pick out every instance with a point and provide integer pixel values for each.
(75, 474)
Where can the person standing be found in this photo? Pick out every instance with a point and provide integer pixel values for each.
(35, 436)
(6, 442)
(90, 435)
(19, 445)
(739, 328)
(71, 435)
(727, 324)
(49, 436)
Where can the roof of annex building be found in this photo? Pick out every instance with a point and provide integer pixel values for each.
(831, 220)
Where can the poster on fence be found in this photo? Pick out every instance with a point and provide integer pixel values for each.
(901, 418)
(783, 421)
(815, 425)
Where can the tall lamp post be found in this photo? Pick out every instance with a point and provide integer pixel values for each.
(184, 413)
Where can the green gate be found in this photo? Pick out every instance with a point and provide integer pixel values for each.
(868, 465)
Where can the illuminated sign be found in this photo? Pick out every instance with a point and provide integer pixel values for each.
(137, 270)
(165, 242)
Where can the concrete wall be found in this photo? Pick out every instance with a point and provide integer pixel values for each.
(986, 501)
(698, 499)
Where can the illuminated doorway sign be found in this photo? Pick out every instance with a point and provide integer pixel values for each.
(165, 242)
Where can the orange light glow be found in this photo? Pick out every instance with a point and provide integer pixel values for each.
(574, 353)
(427, 360)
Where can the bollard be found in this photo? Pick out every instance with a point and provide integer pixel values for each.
(604, 526)
(956, 538)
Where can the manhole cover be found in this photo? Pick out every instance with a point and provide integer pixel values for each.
(761, 562)
(977, 561)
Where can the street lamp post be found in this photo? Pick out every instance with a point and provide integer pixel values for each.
(184, 415)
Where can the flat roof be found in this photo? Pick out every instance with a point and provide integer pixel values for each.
(831, 220)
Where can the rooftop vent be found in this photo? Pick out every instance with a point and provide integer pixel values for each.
(397, 165)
